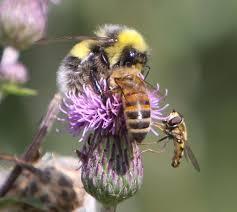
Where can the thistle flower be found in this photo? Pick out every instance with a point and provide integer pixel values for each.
(112, 168)
(22, 22)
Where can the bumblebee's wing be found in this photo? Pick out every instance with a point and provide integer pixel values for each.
(75, 38)
(189, 154)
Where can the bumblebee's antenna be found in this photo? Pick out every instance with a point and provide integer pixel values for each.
(73, 38)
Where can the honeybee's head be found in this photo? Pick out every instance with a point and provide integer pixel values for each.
(129, 48)
(124, 77)
(174, 119)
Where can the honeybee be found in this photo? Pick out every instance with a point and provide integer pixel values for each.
(95, 57)
(175, 128)
(136, 103)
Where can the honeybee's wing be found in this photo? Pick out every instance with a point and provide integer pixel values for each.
(155, 92)
(189, 154)
(75, 38)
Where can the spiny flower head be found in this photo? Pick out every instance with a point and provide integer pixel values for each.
(112, 168)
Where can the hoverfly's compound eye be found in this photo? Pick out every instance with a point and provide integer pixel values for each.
(175, 121)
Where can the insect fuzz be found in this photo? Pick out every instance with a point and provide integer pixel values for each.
(175, 128)
(93, 58)
(136, 104)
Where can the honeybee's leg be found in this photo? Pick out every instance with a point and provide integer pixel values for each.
(96, 85)
(147, 69)
(114, 88)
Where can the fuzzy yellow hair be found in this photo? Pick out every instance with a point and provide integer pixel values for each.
(82, 49)
(126, 37)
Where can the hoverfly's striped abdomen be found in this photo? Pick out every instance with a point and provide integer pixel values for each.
(137, 113)
(178, 153)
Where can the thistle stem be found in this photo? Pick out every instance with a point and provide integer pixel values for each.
(33, 149)
(1, 97)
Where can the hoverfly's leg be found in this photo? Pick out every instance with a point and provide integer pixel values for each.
(152, 150)
(165, 137)
(160, 126)
(164, 144)
(96, 86)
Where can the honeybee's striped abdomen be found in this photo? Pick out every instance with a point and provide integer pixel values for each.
(138, 114)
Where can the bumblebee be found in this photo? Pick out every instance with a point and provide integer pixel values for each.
(175, 128)
(95, 58)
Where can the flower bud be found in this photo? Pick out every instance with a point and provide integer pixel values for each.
(22, 22)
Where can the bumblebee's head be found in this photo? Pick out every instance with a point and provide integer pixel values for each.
(129, 48)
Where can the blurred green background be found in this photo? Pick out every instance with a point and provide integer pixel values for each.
(194, 56)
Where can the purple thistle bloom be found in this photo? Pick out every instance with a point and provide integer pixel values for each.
(87, 112)
(156, 109)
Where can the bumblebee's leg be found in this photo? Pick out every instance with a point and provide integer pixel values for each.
(96, 85)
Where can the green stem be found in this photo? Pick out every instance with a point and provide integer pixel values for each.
(1, 96)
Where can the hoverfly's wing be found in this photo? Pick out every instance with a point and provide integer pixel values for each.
(186, 156)
(189, 154)
(75, 38)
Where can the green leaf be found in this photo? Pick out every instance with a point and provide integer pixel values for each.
(11, 201)
(14, 89)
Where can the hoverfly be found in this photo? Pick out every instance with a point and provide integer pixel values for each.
(175, 128)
